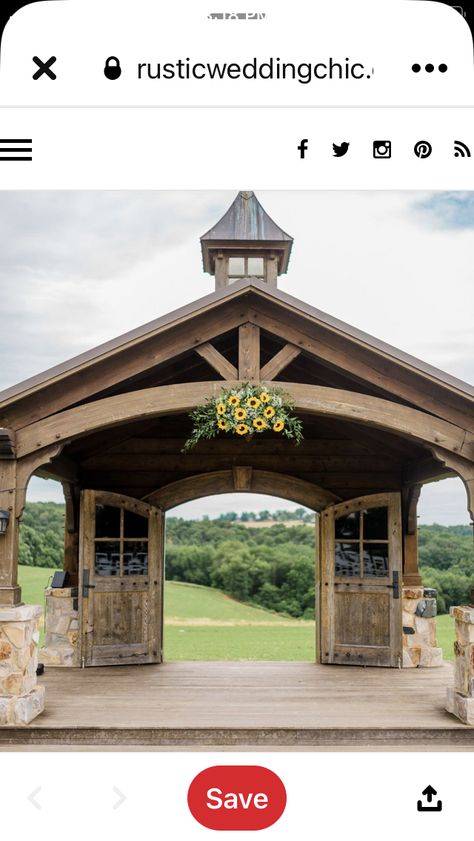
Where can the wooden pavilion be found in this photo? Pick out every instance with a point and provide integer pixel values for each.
(110, 424)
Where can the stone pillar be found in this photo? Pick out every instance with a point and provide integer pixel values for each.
(21, 699)
(419, 628)
(460, 697)
(61, 644)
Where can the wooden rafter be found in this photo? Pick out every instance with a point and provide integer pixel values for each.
(217, 361)
(280, 361)
(362, 365)
(119, 367)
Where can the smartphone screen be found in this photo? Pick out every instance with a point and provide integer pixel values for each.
(236, 419)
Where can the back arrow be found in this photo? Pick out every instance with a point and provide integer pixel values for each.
(121, 798)
(32, 799)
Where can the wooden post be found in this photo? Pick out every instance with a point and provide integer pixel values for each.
(249, 352)
(10, 592)
(221, 273)
(411, 572)
(71, 531)
(272, 270)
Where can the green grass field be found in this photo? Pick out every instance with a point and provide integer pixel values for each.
(205, 624)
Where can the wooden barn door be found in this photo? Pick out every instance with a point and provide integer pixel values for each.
(360, 588)
(121, 580)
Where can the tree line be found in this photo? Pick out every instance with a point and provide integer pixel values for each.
(272, 567)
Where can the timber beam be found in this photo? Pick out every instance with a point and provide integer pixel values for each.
(241, 480)
(183, 398)
(280, 361)
(217, 361)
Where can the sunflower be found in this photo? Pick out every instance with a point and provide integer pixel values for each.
(278, 426)
(253, 402)
(269, 412)
(259, 423)
(240, 414)
(241, 429)
(222, 424)
(233, 400)
(220, 409)
(265, 397)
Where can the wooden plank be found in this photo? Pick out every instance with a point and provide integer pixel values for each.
(249, 352)
(242, 453)
(318, 400)
(423, 470)
(217, 361)
(62, 468)
(195, 703)
(280, 361)
(225, 445)
(112, 480)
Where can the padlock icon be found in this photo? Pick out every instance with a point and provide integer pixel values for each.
(112, 69)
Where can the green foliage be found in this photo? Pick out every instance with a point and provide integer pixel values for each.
(272, 567)
(42, 535)
(447, 563)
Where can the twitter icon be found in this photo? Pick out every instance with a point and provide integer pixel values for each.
(340, 151)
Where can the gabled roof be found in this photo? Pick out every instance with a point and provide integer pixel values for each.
(255, 289)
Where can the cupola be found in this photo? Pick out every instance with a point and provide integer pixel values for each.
(246, 243)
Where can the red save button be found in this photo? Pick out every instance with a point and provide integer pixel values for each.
(236, 797)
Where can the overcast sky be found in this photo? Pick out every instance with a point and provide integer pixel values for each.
(79, 268)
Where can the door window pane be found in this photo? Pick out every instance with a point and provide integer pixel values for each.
(107, 558)
(348, 526)
(134, 525)
(107, 521)
(376, 560)
(376, 523)
(347, 559)
(135, 557)
(255, 266)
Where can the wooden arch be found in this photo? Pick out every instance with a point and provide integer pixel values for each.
(310, 399)
(241, 480)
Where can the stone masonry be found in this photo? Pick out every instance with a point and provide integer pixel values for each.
(419, 629)
(61, 628)
(21, 699)
(460, 697)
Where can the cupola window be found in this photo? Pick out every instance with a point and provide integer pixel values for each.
(246, 267)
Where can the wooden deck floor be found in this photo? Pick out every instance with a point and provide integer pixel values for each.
(254, 704)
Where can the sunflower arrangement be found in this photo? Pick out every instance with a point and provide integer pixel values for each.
(245, 411)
